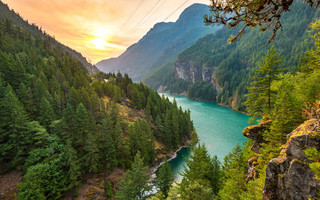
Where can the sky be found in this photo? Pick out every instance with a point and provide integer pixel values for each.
(99, 29)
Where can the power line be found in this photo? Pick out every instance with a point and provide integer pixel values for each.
(176, 10)
(138, 24)
(154, 12)
(156, 9)
(131, 15)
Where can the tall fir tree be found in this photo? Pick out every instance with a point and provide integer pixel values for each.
(260, 94)
(92, 154)
(164, 178)
(74, 165)
(198, 174)
(17, 133)
(134, 183)
(46, 113)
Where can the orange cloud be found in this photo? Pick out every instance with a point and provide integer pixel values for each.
(82, 24)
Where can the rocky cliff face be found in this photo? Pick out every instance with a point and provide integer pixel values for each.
(289, 176)
(191, 72)
(256, 134)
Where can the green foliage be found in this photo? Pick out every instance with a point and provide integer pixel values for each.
(74, 166)
(108, 190)
(286, 113)
(234, 173)
(233, 63)
(134, 183)
(142, 140)
(18, 133)
(314, 155)
(260, 95)
(198, 190)
(203, 91)
(201, 176)
(164, 178)
(43, 180)
(46, 113)
(55, 119)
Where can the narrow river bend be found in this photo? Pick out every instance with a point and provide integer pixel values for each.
(219, 128)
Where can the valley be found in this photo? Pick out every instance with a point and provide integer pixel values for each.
(247, 126)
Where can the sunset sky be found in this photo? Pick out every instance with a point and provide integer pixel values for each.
(99, 29)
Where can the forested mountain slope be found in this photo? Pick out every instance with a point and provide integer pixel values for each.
(60, 125)
(281, 159)
(15, 18)
(227, 66)
(162, 43)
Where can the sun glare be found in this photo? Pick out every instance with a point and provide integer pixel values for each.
(99, 43)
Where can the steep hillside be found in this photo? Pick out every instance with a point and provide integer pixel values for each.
(61, 126)
(227, 67)
(162, 43)
(16, 19)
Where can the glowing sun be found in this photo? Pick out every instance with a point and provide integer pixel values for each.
(99, 43)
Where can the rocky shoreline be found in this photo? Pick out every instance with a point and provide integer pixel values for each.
(170, 157)
(154, 169)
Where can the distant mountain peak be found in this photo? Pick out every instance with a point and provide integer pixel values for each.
(164, 40)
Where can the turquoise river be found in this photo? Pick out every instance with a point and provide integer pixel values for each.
(219, 128)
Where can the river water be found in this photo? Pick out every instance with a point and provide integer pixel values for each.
(219, 128)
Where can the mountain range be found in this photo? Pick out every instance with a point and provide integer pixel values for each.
(161, 44)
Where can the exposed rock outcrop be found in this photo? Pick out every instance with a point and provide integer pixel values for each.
(252, 173)
(255, 133)
(289, 176)
(188, 71)
(191, 72)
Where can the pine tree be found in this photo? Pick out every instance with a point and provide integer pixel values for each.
(134, 183)
(215, 177)
(141, 139)
(260, 94)
(2, 86)
(84, 124)
(38, 92)
(25, 97)
(175, 129)
(107, 144)
(69, 121)
(57, 107)
(198, 174)
(167, 131)
(286, 113)
(234, 173)
(17, 134)
(164, 178)
(92, 154)
(46, 113)
(74, 167)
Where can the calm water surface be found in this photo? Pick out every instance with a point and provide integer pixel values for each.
(218, 127)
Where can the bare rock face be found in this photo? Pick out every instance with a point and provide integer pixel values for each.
(255, 133)
(252, 173)
(289, 176)
(190, 72)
